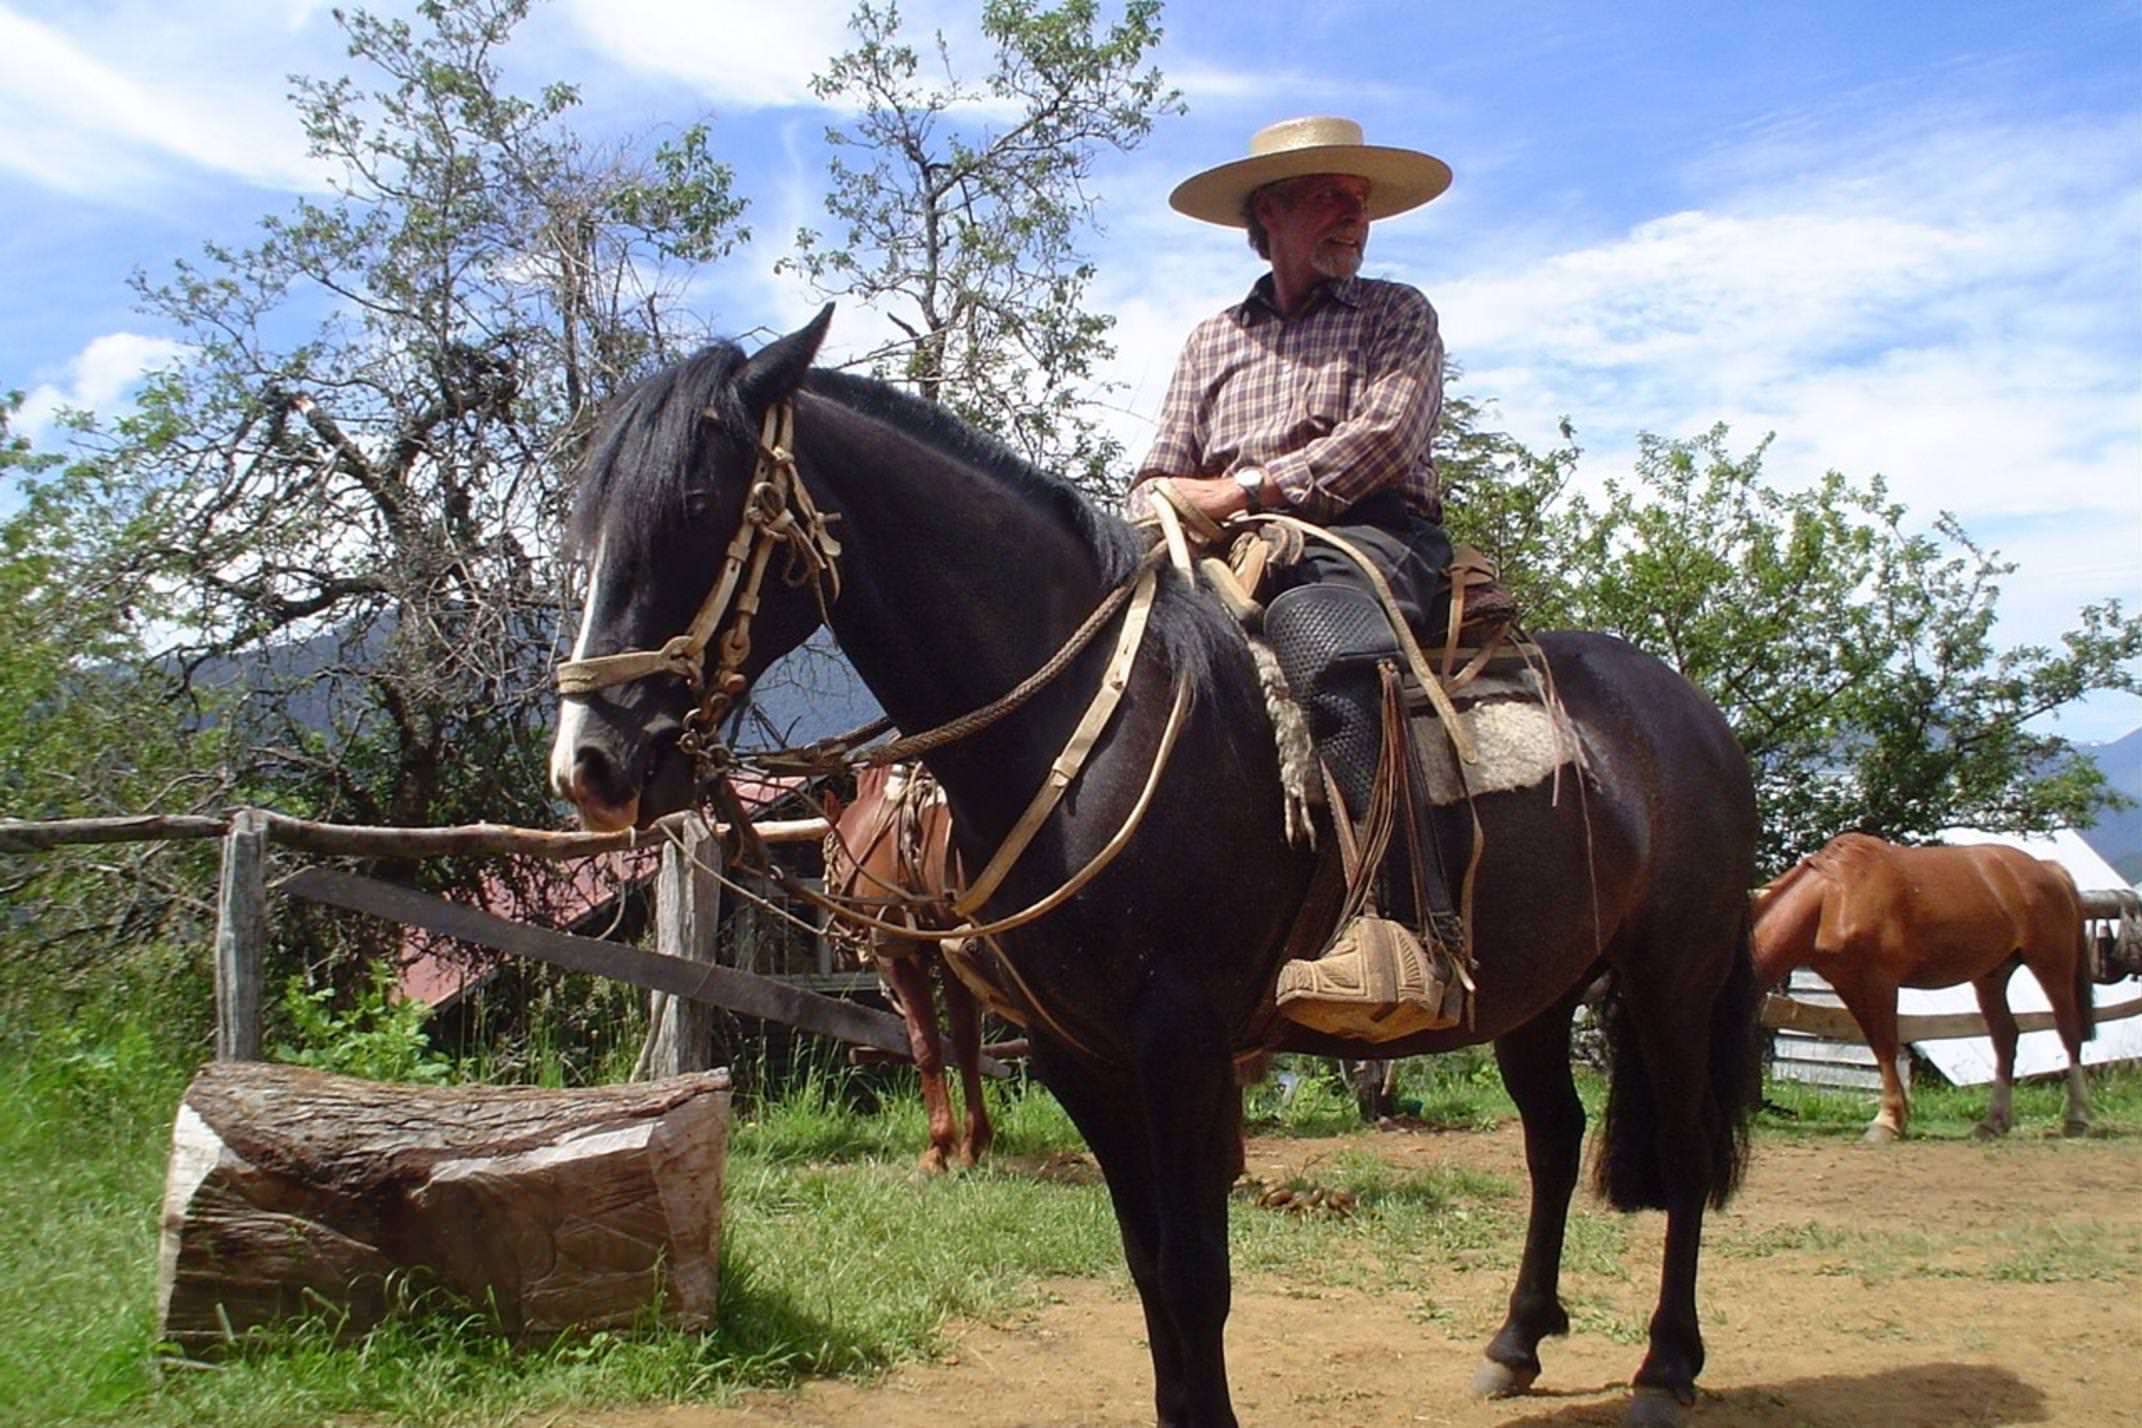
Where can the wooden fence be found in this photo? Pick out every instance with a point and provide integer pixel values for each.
(683, 974)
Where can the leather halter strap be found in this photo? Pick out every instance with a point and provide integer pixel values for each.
(777, 512)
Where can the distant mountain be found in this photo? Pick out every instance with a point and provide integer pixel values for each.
(2117, 837)
(811, 693)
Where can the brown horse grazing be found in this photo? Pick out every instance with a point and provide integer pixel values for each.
(888, 851)
(963, 572)
(1871, 917)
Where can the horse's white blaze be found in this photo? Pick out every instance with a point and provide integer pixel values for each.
(573, 709)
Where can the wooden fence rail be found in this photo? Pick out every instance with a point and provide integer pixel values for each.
(1837, 1024)
(684, 977)
(352, 840)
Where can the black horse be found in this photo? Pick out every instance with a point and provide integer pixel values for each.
(962, 570)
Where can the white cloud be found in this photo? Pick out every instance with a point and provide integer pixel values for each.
(761, 56)
(760, 62)
(98, 378)
(113, 104)
(1969, 329)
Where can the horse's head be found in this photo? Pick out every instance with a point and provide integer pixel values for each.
(661, 518)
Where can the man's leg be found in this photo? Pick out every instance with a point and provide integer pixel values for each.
(1330, 631)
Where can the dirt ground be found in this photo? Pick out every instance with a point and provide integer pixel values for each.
(1914, 1286)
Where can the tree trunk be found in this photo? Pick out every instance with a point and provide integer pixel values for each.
(294, 1191)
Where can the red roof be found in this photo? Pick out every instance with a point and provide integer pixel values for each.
(437, 976)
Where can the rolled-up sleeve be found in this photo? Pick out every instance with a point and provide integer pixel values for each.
(1383, 441)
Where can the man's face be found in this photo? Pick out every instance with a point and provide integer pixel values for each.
(1318, 222)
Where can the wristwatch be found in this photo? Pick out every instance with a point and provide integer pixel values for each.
(1251, 480)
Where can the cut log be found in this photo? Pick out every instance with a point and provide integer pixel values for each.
(293, 1191)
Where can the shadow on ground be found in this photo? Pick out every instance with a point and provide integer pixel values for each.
(1931, 1395)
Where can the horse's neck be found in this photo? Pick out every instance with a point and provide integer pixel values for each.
(1787, 917)
(955, 586)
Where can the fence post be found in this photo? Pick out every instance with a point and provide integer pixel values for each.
(687, 917)
(241, 933)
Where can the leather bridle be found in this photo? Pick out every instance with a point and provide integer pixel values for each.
(778, 512)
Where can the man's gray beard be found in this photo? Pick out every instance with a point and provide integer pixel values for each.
(1335, 265)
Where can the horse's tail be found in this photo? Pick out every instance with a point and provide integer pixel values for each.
(1629, 1170)
(2085, 984)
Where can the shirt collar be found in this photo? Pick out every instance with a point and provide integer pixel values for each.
(1258, 306)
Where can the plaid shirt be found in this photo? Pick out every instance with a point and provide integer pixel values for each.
(1336, 403)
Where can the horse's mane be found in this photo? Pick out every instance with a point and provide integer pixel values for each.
(1847, 852)
(660, 434)
(653, 441)
(1110, 539)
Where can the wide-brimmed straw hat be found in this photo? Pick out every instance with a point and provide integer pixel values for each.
(1399, 179)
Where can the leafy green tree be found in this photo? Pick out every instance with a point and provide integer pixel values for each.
(88, 728)
(336, 513)
(1507, 501)
(363, 520)
(958, 215)
(1854, 658)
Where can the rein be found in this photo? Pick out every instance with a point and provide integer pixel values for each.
(778, 511)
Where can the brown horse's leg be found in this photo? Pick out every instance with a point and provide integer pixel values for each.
(2070, 988)
(2077, 1119)
(965, 1022)
(1992, 990)
(909, 980)
(1535, 1070)
(1875, 1009)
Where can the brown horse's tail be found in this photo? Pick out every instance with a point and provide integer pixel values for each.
(2085, 984)
(1629, 1170)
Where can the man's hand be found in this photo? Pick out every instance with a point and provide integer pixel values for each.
(1216, 497)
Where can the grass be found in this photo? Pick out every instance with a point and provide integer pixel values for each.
(1944, 1112)
(836, 1259)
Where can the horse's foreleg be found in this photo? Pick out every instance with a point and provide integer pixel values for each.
(1535, 1070)
(2077, 1119)
(2074, 1015)
(965, 1023)
(1107, 1110)
(1992, 991)
(1875, 1009)
(909, 979)
(1192, 1106)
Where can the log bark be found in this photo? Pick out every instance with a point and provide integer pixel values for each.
(292, 1191)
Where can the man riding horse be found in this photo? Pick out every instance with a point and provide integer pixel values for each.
(1317, 396)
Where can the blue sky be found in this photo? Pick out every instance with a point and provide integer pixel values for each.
(1905, 238)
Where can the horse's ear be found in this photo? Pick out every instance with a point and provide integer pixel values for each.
(777, 369)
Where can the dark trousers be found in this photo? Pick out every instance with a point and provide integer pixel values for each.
(1320, 640)
(1411, 551)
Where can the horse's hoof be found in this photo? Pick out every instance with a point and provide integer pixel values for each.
(931, 1163)
(1879, 1134)
(2074, 1128)
(1655, 1408)
(1989, 1130)
(1495, 1380)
